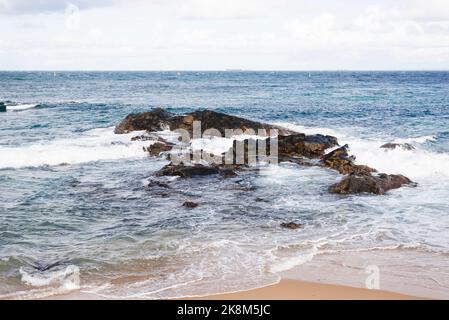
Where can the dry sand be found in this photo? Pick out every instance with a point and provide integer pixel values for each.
(299, 290)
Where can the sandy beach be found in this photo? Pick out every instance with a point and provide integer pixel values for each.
(299, 290)
(286, 289)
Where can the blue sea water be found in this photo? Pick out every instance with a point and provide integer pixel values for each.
(73, 192)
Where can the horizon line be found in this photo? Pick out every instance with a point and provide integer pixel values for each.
(228, 70)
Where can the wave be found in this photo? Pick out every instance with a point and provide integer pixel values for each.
(67, 278)
(415, 164)
(93, 145)
(20, 107)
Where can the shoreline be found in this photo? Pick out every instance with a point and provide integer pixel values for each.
(286, 289)
(289, 289)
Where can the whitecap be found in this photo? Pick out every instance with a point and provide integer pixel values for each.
(20, 107)
(94, 145)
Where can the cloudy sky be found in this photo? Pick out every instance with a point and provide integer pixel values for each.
(217, 35)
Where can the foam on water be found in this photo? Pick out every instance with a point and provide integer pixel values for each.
(416, 164)
(66, 279)
(20, 107)
(93, 145)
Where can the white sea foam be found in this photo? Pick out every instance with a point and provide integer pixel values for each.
(66, 279)
(93, 145)
(20, 107)
(288, 263)
(416, 164)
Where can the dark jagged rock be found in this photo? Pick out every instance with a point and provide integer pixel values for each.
(198, 170)
(159, 119)
(220, 121)
(307, 150)
(290, 148)
(2, 107)
(340, 160)
(368, 183)
(155, 120)
(159, 147)
(302, 145)
(392, 146)
(184, 171)
(291, 225)
(190, 205)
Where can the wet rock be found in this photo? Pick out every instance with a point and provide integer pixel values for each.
(43, 266)
(301, 145)
(228, 173)
(159, 147)
(144, 137)
(341, 161)
(190, 205)
(155, 120)
(291, 225)
(157, 184)
(367, 183)
(2, 107)
(392, 146)
(185, 171)
(220, 121)
(159, 119)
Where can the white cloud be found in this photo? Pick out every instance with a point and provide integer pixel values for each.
(230, 9)
(209, 34)
(46, 6)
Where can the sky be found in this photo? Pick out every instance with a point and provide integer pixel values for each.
(226, 34)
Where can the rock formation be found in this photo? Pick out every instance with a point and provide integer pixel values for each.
(291, 146)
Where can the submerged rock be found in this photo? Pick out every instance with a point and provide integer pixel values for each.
(291, 225)
(157, 184)
(190, 205)
(368, 183)
(392, 146)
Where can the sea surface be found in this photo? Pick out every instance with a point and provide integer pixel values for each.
(76, 213)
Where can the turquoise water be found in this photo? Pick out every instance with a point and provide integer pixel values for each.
(74, 194)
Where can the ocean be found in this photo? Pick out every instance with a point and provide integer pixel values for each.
(75, 213)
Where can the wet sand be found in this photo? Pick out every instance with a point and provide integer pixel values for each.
(299, 290)
(285, 290)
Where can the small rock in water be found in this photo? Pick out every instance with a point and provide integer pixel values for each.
(392, 146)
(42, 266)
(367, 183)
(190, 205)
(2, 107)
(159, 147)
(157, 184)
(291, 225)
